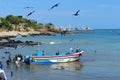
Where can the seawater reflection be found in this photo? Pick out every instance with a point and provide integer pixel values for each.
(71, 66)
(37, 71)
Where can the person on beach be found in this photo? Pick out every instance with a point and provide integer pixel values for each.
(9, 57)
(8, 62)
(20, 57)
(17, 63)
(14, 58)
(1, 65)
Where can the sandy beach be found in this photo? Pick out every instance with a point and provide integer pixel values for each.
(15, 33)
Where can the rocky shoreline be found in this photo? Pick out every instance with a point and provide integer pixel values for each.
(8, 34)
(8, 42)
(11, 43)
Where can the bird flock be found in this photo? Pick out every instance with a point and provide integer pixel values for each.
(52, 7)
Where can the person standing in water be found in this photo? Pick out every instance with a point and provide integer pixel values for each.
(57, 53)
(1, 65)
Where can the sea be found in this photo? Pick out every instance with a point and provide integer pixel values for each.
(100, 61)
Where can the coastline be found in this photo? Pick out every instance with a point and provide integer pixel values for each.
(16, 33)
(7, 34)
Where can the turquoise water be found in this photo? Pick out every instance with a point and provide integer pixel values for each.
(100, 61)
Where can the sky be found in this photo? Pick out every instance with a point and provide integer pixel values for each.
(96, 14)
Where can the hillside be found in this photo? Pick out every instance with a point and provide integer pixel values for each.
(18, 23)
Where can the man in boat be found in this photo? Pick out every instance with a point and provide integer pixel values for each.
(57, 53)
(43, 53)
(71, 50)
(77, 49)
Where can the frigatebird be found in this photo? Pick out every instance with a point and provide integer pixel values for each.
(54, 6)
(76, 14)
(30, 13)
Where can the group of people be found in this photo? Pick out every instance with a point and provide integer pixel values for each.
(70, 51)
(17, 59)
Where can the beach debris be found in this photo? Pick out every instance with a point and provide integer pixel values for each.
(76, 14)
(54, 6)
(30, 13)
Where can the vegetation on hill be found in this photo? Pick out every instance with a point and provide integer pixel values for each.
(18, 23)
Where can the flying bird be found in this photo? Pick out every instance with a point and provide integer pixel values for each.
(76, 14)
(30, 13)
(54, 6)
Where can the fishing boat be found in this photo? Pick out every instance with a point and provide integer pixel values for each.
(2, 75)
(39, 58)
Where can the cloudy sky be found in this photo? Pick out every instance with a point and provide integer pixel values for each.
(97, 14)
